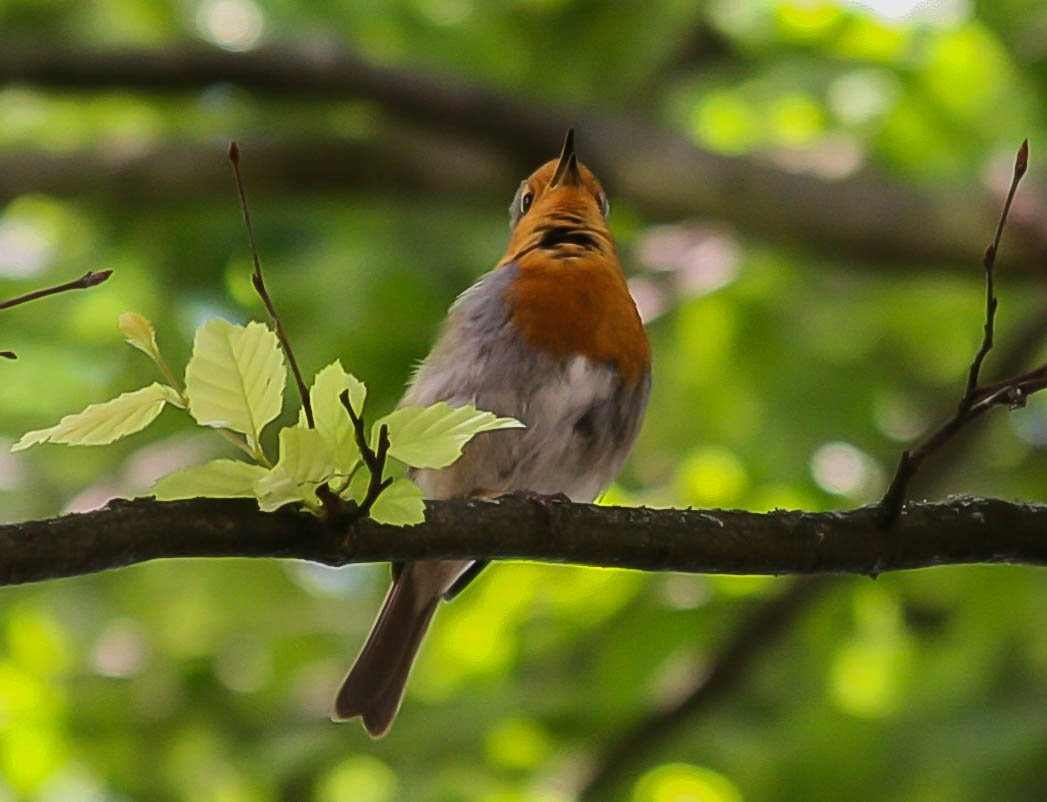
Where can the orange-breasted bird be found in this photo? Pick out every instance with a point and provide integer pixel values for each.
(551, 337)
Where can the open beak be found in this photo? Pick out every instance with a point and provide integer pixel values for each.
(566, 172)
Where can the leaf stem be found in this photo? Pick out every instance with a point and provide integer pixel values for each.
(373, 458)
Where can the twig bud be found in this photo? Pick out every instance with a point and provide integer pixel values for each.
(1021, 163)
(92, 279)
(989, 257)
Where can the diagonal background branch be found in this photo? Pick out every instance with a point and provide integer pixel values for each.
(962, 530)
(862, 216)
(754, 636)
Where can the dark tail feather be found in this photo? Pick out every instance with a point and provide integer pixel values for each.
(375, 685)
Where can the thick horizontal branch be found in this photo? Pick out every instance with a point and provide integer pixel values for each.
(860, 217)
(962, 530)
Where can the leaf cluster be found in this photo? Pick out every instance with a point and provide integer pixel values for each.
(234, 384)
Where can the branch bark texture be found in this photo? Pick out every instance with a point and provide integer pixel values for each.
(961, 530)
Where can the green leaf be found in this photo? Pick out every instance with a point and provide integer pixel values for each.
(304, 455)
(305, 461)
(358, 484)
(276, 488)
(332, 421)
(235, 377)
(400, 504)
(140, 333)
(433, 437)
(103, 423)
(220, 478)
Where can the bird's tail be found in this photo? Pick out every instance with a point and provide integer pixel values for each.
(375, 684)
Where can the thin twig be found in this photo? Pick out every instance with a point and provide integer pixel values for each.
(259, 285)
(374, 458)
(88, 279)
(976, 400)
(1021, 164)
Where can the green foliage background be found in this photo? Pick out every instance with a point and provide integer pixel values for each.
(785, 376)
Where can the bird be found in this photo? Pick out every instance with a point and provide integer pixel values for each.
(552, 337)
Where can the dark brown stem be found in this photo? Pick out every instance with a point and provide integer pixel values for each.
(959, 531)
(374, 458)
(263, 293)
(8, 355)
(88, 279)
(1021, 164)
(976, 400)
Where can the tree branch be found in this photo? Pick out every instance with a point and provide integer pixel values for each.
(660, 171)
(962, 530)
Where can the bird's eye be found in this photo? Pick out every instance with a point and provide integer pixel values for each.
(525, 201)
(604, 204)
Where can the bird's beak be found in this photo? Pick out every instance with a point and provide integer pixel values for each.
(566, 172)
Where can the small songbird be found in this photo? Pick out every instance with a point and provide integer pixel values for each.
(551, 337)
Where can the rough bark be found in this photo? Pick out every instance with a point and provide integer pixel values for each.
(961, 530)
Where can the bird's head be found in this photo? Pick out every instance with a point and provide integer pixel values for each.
(562, 192)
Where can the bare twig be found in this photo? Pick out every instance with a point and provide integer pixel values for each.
(259, 285)
(976, 400)
(374, 458)
(1021, 164)
(88, 279)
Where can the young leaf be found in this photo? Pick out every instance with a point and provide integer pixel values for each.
(277, 488)
(235, 377)
(304, 455)
(220, 478)
(433, 437)
(139, 333)
(305, 461)
(400, 504)
(331, 419)
(103, 423)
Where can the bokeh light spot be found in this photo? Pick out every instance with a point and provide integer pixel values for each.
(360, 778)
(844, 470)
(518, 743)
(232, 24)
(681, 782)
(712, 477)
(726, 122)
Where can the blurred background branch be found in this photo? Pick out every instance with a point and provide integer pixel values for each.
(863, 216)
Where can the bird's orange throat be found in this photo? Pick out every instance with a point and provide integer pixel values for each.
(579, 305)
